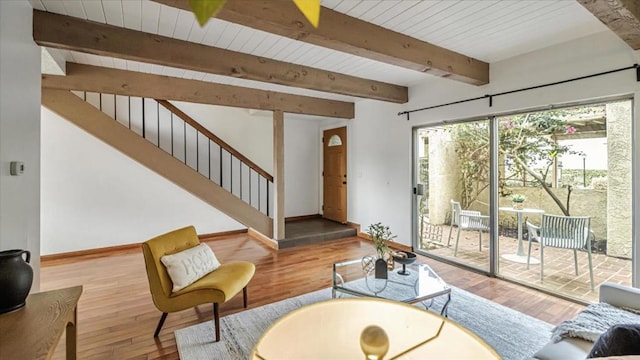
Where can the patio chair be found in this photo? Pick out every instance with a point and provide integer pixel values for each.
(467, 220)
(566, 232)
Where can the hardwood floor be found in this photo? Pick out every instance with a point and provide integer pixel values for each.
(116, 316)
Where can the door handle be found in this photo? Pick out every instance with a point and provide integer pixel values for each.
(344, 183)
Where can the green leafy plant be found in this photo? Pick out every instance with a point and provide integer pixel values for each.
(380, 235)
(518, 198)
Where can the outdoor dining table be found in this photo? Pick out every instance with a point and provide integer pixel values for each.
(520, 256)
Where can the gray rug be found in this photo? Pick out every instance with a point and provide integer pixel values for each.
(512, 334)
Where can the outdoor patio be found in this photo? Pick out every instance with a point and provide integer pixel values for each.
(559, 272)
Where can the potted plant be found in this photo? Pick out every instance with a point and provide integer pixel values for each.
(517, 200)
(381, 235)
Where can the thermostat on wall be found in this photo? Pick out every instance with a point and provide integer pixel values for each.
(16, 168)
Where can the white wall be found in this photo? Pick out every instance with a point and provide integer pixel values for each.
(93, 196)
(20, 132)
(380, 147)
(302, 179)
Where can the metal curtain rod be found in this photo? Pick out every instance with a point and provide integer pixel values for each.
(491, 96)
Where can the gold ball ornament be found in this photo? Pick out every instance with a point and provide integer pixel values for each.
(374, 342)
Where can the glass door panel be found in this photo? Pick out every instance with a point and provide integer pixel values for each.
(452, 192)
(565, 164)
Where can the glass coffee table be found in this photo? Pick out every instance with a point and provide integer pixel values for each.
(422, 284)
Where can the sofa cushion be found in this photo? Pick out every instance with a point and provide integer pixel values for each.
(567, 349)
(619, 340)
(188, 266)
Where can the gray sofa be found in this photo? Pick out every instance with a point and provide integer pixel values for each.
(573, 348)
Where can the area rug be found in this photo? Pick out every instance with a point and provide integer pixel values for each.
(512, 334)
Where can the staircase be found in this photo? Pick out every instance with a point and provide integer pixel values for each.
(161, 137)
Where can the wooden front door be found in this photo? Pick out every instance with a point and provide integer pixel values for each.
(335, 174)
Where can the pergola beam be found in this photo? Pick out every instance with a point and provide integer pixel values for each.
(70, 33)
(598, 134)
(351, 35)
(621, 16)
(131, 83)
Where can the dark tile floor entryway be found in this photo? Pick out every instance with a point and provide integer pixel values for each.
(312, 231)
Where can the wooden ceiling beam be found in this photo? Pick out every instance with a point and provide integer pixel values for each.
(70, 33)
(351, 35)
(621, 16)
(131, 83)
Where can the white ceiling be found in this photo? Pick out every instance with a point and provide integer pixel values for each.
(489, 30)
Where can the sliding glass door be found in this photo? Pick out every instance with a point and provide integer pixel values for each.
(452, 189)
(564, 189)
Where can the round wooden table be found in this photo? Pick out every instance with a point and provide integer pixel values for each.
(331, 330)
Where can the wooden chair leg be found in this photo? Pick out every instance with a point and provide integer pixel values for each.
(216, 319)
(244, 295)
(160, 323)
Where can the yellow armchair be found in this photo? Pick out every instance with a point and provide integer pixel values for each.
(216, 287)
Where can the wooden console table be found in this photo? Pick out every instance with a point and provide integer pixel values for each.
(33, 331)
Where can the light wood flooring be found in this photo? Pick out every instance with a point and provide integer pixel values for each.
(116, 316)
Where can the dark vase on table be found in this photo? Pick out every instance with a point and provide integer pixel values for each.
(381, 269)
(16, 278)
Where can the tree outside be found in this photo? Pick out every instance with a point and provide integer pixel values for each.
(528, 150)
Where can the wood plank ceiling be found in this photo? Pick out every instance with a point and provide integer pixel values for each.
(488, 30)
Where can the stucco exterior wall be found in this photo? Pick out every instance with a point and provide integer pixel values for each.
(619, 161)
(443, 175)
(584, 202)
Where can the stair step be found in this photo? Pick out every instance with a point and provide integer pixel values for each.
(313, 231)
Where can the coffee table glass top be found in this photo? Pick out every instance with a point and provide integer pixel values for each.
(421, 284)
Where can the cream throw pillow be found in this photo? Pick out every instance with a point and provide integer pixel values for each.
(187, 266)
